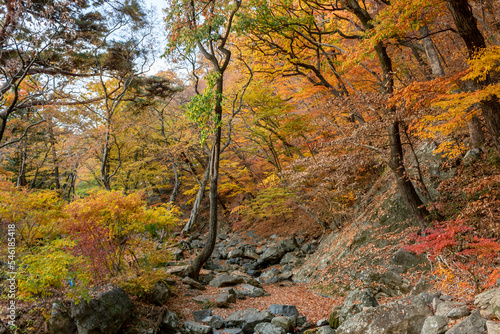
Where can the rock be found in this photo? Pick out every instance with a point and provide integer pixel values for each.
(170, 323)
(272, 255)
(406, 316)
(104, 314)
(421, 287)
(191, 327)
(161, 293)
(289, 245)
(60, 320)
(214, 321)
(250, 254)
(322, 322)
(268, 328)
(471, 156)
(224, 299)
(283, 322)
(225, 280)
(237, 293)
(284, 310)
(435, 325)
(308, 248)
(301, 320)
(248, 319)
(406, 259)
(177, 253)
(285, 276)
(234, 253)
(394, 283)
(325, 330)
(200, 315)
(270, 276)
(354, 303)
(488, 304)
(192, 283)
(288, 258)
(229, 331)
(493, 327)
(452, 310)
(473, 324)
(252, 291)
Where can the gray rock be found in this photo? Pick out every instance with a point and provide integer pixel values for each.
(250, 254)
(251, 291)
(488, 303)
(435, 325)
(60, 320)
(191, 327)
(161, 293)
(322, 322)
(225, 280)
(192, 283)
(288, 258)
(308, 248)
(214, 321)
(452, 310)
(325, 330)
(270, 276)
(284, 310)
(473, 324)
(248, 319)
(406, 316)
(406, 259)
(224, 299)
(170, 323)
(104, 314)
(283, 322)
(493, 327)
(234, 253)
(354, 303)
(289, 245)
(471, 156)
(237, 293)
(268, 328)
(177, 253)
(272, 255)
(200, 315)
(421, 287)
(229, 331)
(301, 320)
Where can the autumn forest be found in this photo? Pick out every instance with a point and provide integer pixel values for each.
(269, 114)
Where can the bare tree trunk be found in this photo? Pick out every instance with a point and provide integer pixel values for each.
(197, 202)
(405, 186)
(177, 184)
(54, 155)
(476, 132)
(431, 52)
(23, 155)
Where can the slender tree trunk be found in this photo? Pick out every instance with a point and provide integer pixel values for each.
(177, 183)
(21, 178)
(431, 52)
(197, 202)
(54, 155)
(405, 186)
(202, 258)
(476, 132)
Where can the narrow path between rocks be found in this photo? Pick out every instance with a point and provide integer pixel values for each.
(308, 302)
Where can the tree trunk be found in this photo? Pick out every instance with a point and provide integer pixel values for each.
(476, 132)
(177, 184)
(405, 186)
(195, 267)
(431, 52)
(474, 40)
(197, 202)
(54, 155)
(21, 178)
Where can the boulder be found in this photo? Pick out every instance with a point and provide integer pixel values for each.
(214, 321)
(288, 258)
(452, 310)
(354, 303)
(161, 293)
(229, 331)
(289, 245)
(325, 330)
(60, 321)
(268, 328)
(250, 254)
(270, 276)
(473, 324)
(104, 314)
(488, 304)
(284, 310)
(192, 283)
(191, 327)
(200, 315)
(170, 323)
(225, 280)
(406, 316)
(248, 319)
(283, 322)
(406, 260)
(471, 156)
(252, 291)
(308, 248)
(272, 255)
(235, 253)
(435, 325)
(177, 253)
(224, 299)
(493, 327)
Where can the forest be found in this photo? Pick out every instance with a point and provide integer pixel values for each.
(269, 114)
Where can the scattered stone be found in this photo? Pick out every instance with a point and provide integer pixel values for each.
(224, 299)
(406, 260)
(421, 287)
(322, 322)
(161, 293)
(214, 321)
(252, 291)
(191, 327)
(60, 320)
(229, 331)
(270, 276)
(471, 156)
(288, 258)
(177, 253)
(268, 328)
(272, 255)
(248, 319)
(452, 310)
(200, 315)
(355, 302)
(308, 248)
(473, 324)
(301, 320)
(435, 325)
(289, 245)
(170, 323)
(235, 253)
(488, 304)
(325, 330)
(104, 314)
(284, 310)
(225, 280)
(493, 327)
(250, 254)
(283, 322)
(192, 283)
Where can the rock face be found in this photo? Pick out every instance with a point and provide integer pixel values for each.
(473, 324)
(104, 314)
(353, 304)
(488, 304)
(405, 316)
(60, 320)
